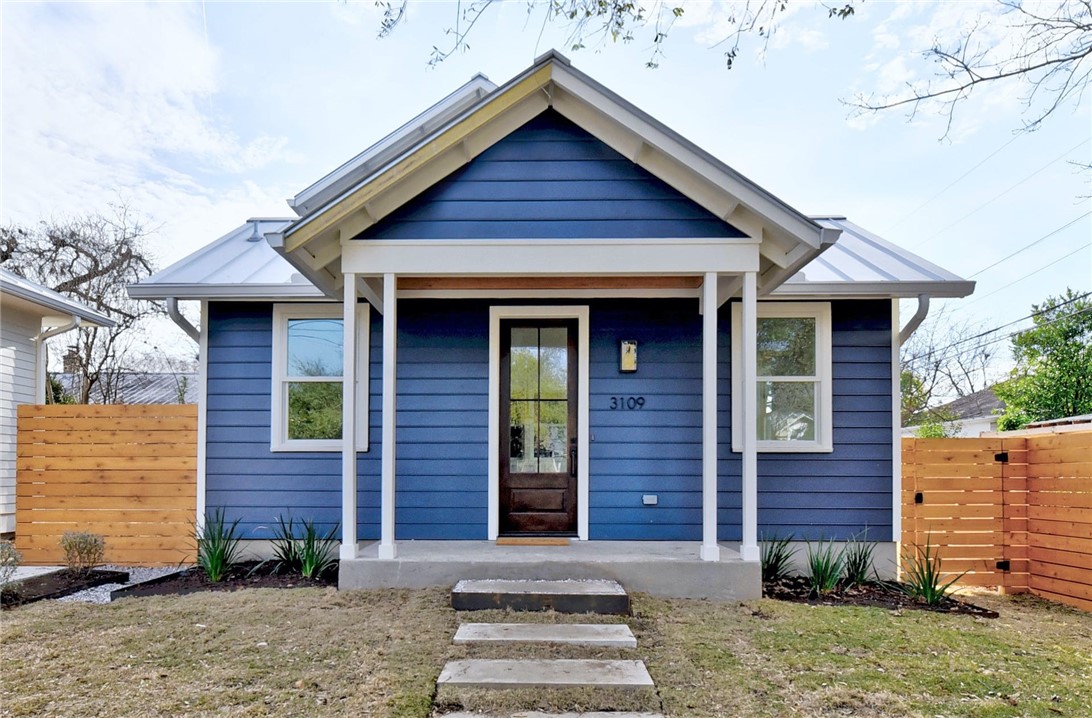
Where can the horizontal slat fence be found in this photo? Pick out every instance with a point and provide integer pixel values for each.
(1060, 517)
(1013, 512)
(127, 472)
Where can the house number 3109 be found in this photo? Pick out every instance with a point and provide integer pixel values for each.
(627, 402)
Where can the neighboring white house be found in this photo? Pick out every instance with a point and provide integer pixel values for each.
(29, 315)
(971, 415)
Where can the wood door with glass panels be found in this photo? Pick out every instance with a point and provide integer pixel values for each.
(538, 426)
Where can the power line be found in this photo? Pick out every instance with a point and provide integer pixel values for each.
(998, 196)
(998, 328)
(953, 183)
(1029, 246)
(1003, 337)
(1030, 274)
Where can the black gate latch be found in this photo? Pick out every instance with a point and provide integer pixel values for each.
(1003, 457)
(1003, 565)
(919, 498)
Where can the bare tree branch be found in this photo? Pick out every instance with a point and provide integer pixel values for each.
(1049, 56)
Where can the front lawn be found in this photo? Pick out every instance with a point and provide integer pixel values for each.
(317, 652)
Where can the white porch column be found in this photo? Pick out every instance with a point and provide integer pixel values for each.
(348, 420)
(390, 373)
(710, 551)
(749, 548)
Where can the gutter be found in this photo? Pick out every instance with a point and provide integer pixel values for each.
(916, 320)
(41, 370)
(183, 323)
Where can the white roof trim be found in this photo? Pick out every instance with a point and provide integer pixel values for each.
(13, 285)
(396, 143)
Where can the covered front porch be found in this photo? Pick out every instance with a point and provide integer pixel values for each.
(662, 568)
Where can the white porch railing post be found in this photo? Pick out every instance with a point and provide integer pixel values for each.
(390, 374)
(348, 420)
(710, 551)
(749, 548)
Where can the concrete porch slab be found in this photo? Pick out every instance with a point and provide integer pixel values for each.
(662, 568)
(569, 596)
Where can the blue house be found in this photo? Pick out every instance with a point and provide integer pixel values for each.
(534, 313)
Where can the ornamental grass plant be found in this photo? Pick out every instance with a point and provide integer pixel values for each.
(218, 546)
(922, 575)
(776, 558)
(305, 550)
(825, 565)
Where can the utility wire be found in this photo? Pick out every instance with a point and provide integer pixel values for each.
(953, 183)
(1003, 337)
(1086, 245)
(1029, 246)
(964, 340)
(998, 196)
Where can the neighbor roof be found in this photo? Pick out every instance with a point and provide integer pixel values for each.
(12, 285)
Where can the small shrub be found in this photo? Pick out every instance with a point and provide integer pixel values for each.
(824, 567)
(217, 545)
(922, 574)
(9, 561)
(311, 554)
(83, 551)
(777, 555)
(857, 561)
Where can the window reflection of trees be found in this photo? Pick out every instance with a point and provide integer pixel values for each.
(539, 410)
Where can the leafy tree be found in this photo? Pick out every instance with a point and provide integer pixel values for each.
(1053, 374)
(91, 259)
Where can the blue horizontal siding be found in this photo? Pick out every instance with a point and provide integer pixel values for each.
(443, 423)
(550, 179)
(831, 495)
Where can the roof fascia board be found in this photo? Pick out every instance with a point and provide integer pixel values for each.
(61, 304)
(391, 146)
(444, 140)
(223, 291)
(908, 290)
(673, 145)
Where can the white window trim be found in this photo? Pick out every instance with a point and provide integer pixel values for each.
(824, 426)
(278, 385)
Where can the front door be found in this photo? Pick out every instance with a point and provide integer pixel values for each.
(538, 426)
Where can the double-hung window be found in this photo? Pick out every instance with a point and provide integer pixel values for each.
(307, 377)
(794, 412)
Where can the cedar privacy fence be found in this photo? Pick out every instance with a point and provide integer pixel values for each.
(1013, 512)
(127, 472)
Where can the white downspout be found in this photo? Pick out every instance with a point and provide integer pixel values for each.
(43, 364)
(181, 321)
(916, 320)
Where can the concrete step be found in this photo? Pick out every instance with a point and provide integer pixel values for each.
(615, 635)
(590, 596)
(545, 673)
(536, 714)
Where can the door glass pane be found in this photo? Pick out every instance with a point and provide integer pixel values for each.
(786, 346)
(553, 363)
(553, 437)
(524, 363)
(786, 411)
(314, 410)
(522, 437)
(315, 347)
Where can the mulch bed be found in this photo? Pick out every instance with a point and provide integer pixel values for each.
(56, 585)
(798, 590)
(248, 574)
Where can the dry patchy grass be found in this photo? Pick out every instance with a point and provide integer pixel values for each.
(318, 652)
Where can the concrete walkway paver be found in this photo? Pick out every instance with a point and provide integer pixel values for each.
(611, 635)
(547, 673)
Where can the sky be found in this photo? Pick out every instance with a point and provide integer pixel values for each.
(201, 115)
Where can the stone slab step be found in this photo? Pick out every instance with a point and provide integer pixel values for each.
(536, 714)
(590, 596)
(545, 673)
(615, 635)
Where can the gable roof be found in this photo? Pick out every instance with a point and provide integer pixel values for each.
(788, 238)
(48, 301)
